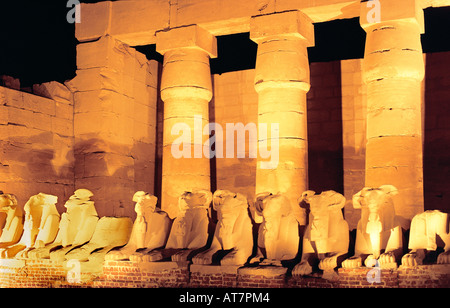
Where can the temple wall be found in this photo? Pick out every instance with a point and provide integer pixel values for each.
(437, 137)
(98, 131)
(115, 94)
(325, 169)
(235, 101)
(36, 142)
(354, 109)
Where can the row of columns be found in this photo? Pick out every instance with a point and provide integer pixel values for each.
(393, 68)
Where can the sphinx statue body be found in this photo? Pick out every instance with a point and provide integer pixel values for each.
(233, 231)
(13, 222)
(379, 236)
(326, 238)
(429, 230)
(40, 226)
(150, 230)
(76, 227)
(278, 234)
(189, 230)
(109, 233)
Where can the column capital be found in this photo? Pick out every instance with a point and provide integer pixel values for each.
(379, 12)
(289, 23)
(192, 36)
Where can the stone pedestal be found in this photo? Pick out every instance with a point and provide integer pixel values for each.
(127, 274)
(214, 276)
(424, 276)
(364, 277)
(186, 90)
(130, 274)
(261, 277)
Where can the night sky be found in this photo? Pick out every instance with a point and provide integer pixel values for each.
(38, 44)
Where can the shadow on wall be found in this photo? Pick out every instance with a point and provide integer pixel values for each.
(436, 161)
(325, 149)
(114, 172)
(32, 164)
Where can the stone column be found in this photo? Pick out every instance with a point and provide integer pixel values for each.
(282, 81)
(393, 69)
(186, 90)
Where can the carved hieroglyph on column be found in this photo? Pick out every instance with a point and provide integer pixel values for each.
(282, 81)
(186, 90)
(393, 69)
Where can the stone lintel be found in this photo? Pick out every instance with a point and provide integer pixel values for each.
(95, 21)
(290, 23)
(377, 12)
(192, 36)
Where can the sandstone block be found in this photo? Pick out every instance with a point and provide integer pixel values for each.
(95, 21)
(55, 91)
(404, 10)
(394, 151)
(190, 36)
(135, 22)
(394, 122)
(10, 82)
(106, 52)
(293, 23)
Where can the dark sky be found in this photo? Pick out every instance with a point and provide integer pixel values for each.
(38, 44)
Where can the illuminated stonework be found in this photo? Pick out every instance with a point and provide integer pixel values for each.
(97, 152)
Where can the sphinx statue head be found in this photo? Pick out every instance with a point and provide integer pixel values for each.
(377, 208)
(145, 203)
(229, 207)
(193, 200)
(7, 201)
